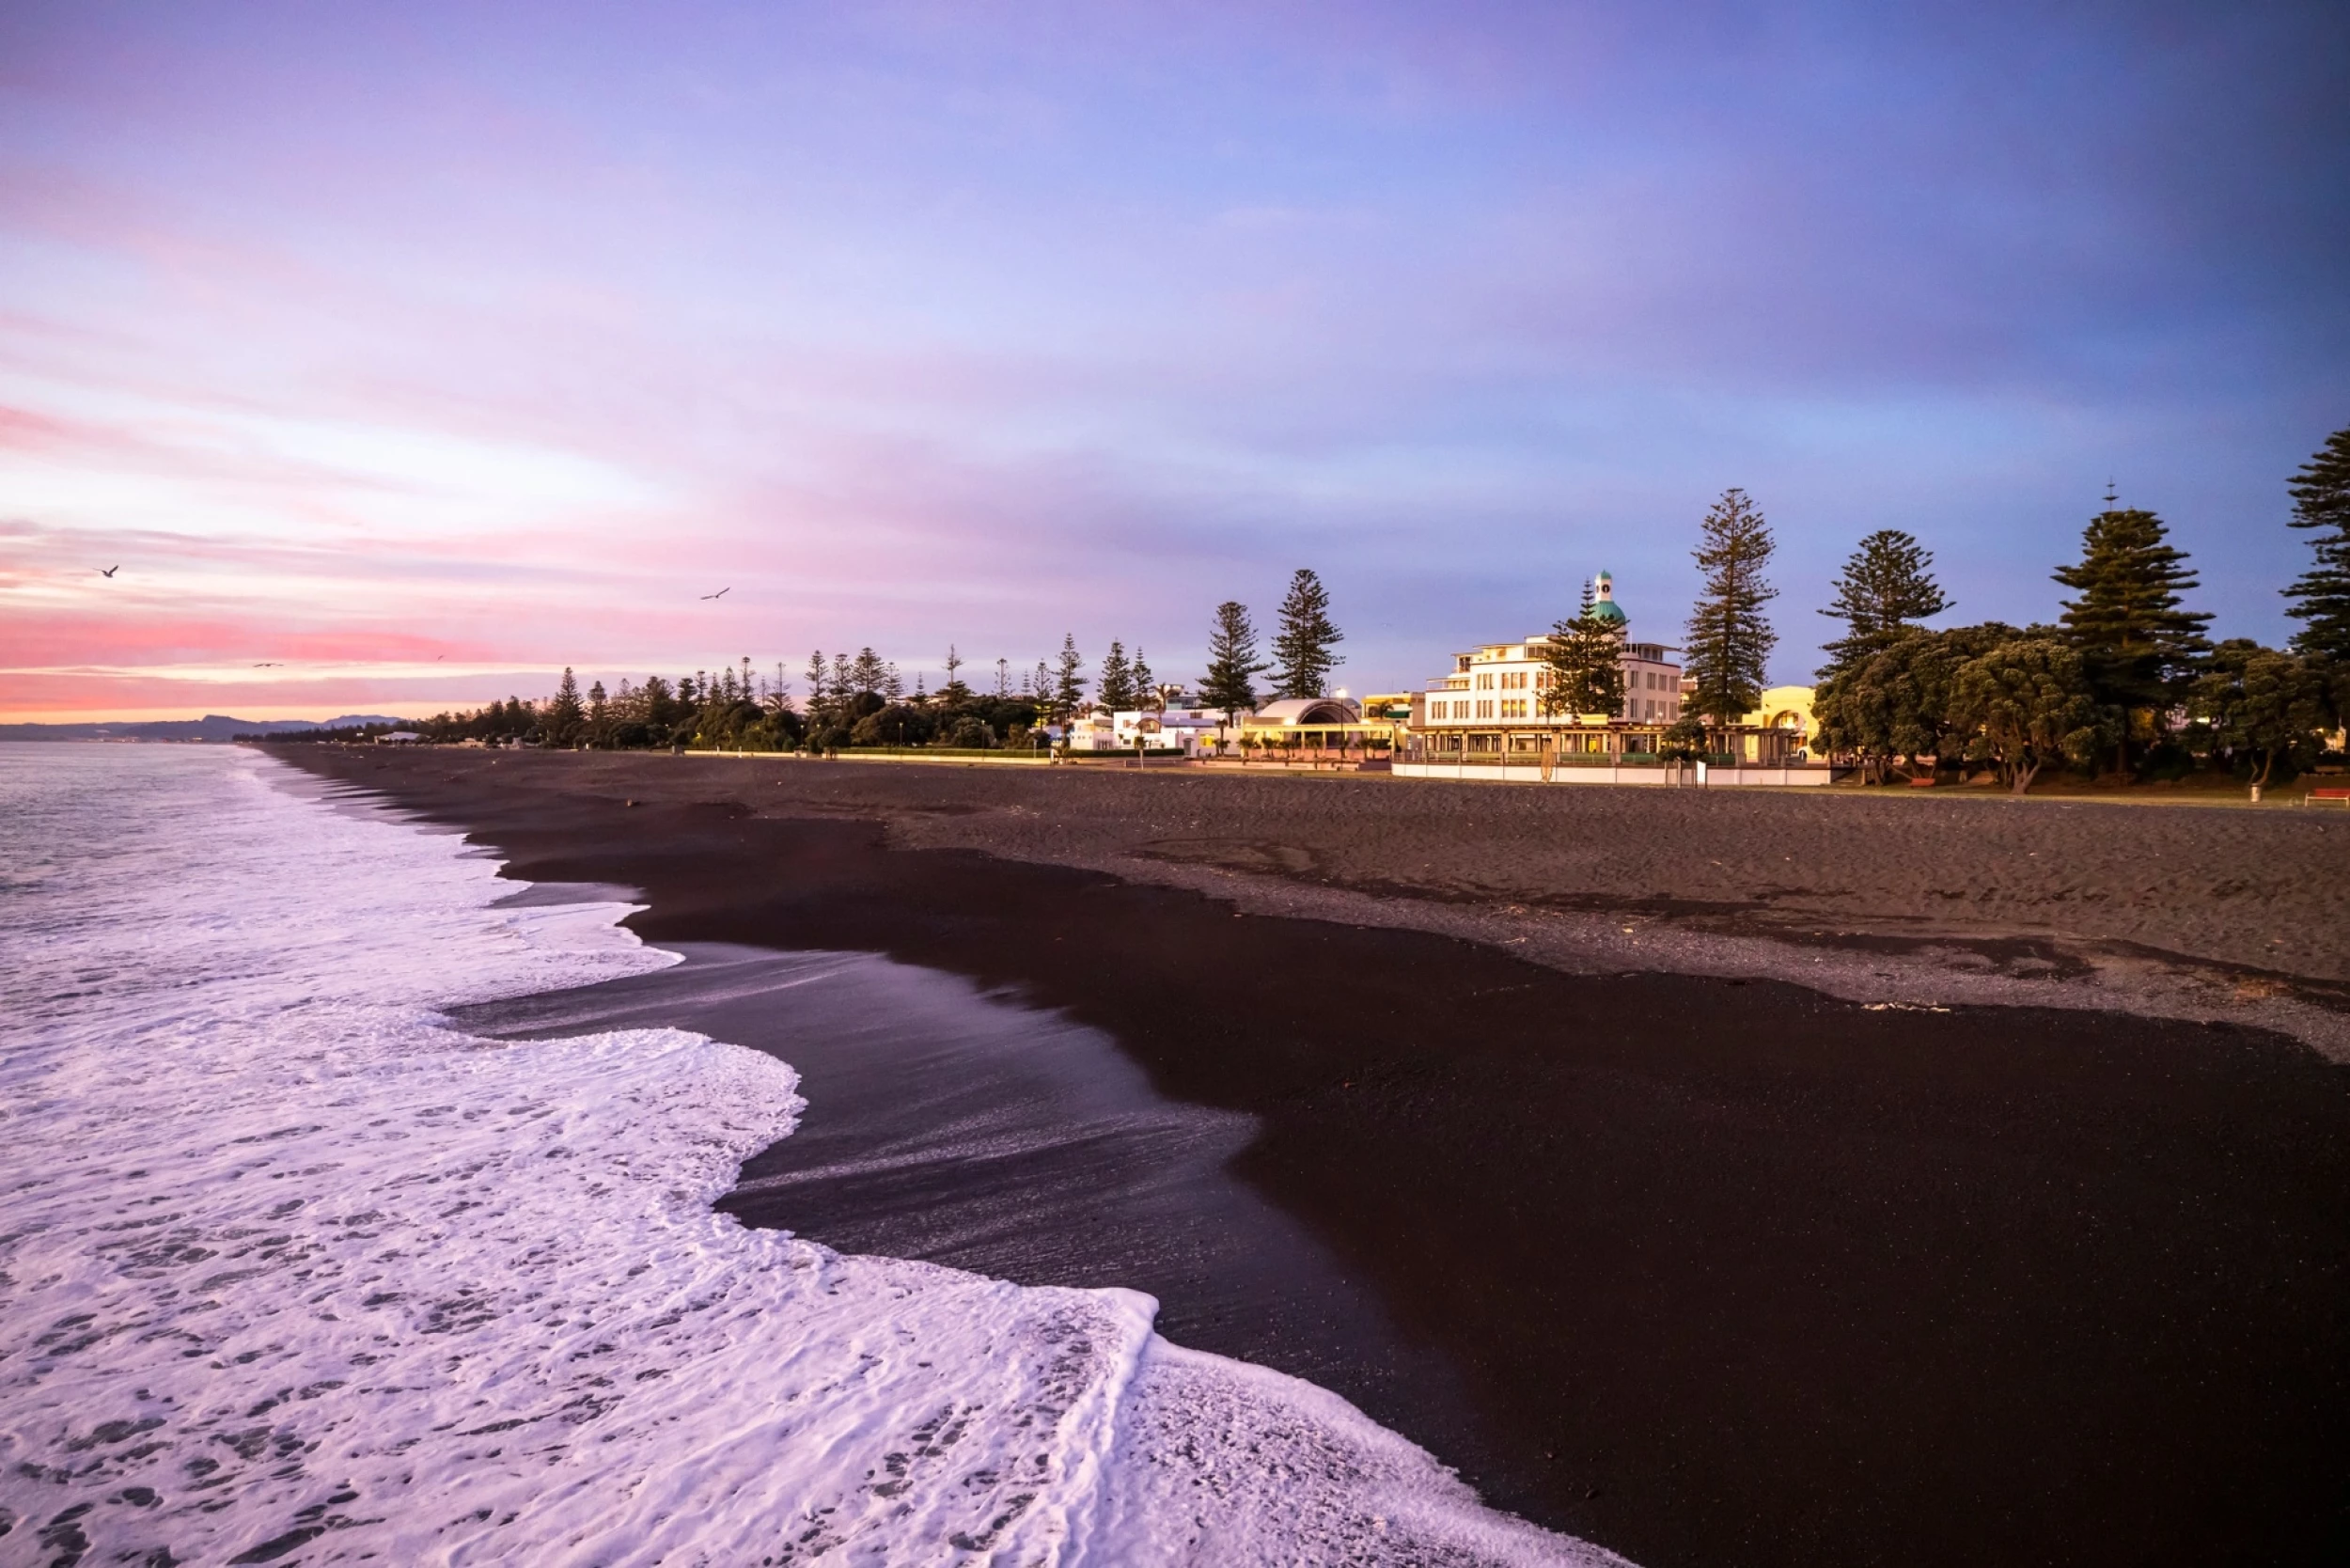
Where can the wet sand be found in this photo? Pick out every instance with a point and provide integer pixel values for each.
(1735, 1270)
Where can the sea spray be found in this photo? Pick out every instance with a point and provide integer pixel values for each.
(294, 1271)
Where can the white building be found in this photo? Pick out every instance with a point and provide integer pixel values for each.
(1184, 730)
(1498, 688)
(1486, 720)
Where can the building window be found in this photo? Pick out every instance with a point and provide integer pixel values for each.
(1485, 682)
(1485, 709)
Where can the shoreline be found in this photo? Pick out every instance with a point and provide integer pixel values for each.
(2223, 916)
(1763, 1275)
(951, 1126)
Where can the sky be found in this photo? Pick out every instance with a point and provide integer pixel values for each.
(400, 356)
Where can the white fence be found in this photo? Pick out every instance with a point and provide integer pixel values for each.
(1689, 776)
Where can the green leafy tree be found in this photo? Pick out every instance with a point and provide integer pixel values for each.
(1068, 690)
(1728, 639)
(1231, 683)
(1146, 692)
(1583, 664)
(1114, 692)
(2263, 706)
(2321, 596)
(660, 705)
(2140, 648)
(1896, 701)
(1302, 656)
(1685, 741)
(2027, 703)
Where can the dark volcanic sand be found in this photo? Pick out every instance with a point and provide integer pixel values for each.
(1737, 1271)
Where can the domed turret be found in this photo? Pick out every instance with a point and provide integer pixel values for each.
(1604, 604)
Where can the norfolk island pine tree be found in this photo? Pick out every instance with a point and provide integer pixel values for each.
(1885, 590)
(1233, 665)
(2138, 649)
(1728, 639)
(2320, 597)
(1114, 692)
(1069, 688)
(1302, 656)
(1584, 659)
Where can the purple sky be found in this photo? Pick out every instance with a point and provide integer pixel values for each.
(414, 355)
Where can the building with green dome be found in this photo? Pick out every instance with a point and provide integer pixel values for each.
(1488, 713)
(1604, 604)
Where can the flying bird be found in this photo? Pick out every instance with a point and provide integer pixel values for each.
(107, 570)
(721, 593)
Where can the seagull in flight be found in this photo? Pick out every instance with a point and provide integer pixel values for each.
(721, 593)
(106, 570)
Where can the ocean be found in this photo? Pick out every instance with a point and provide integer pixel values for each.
(297, 1269)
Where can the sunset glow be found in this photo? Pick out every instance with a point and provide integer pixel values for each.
(398, 359)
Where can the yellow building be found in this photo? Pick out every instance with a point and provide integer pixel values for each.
(1319, 726)
(1788, 710)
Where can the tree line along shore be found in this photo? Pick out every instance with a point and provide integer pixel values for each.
(2126, 685)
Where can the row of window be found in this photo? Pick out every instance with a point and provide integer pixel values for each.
(1519, 679)
(1521, 706)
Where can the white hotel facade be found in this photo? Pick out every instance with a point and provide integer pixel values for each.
(1488, 713)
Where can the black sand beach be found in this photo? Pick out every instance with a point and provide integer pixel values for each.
(1732, 1270)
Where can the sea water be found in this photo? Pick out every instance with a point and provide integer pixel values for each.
(294, 1270)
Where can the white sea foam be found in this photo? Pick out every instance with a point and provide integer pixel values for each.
(294, 1272)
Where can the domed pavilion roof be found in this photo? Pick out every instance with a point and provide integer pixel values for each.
(1296, 711)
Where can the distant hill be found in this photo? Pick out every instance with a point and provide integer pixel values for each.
(211, 727)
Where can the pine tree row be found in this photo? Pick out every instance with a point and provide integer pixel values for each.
(2126, 680)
